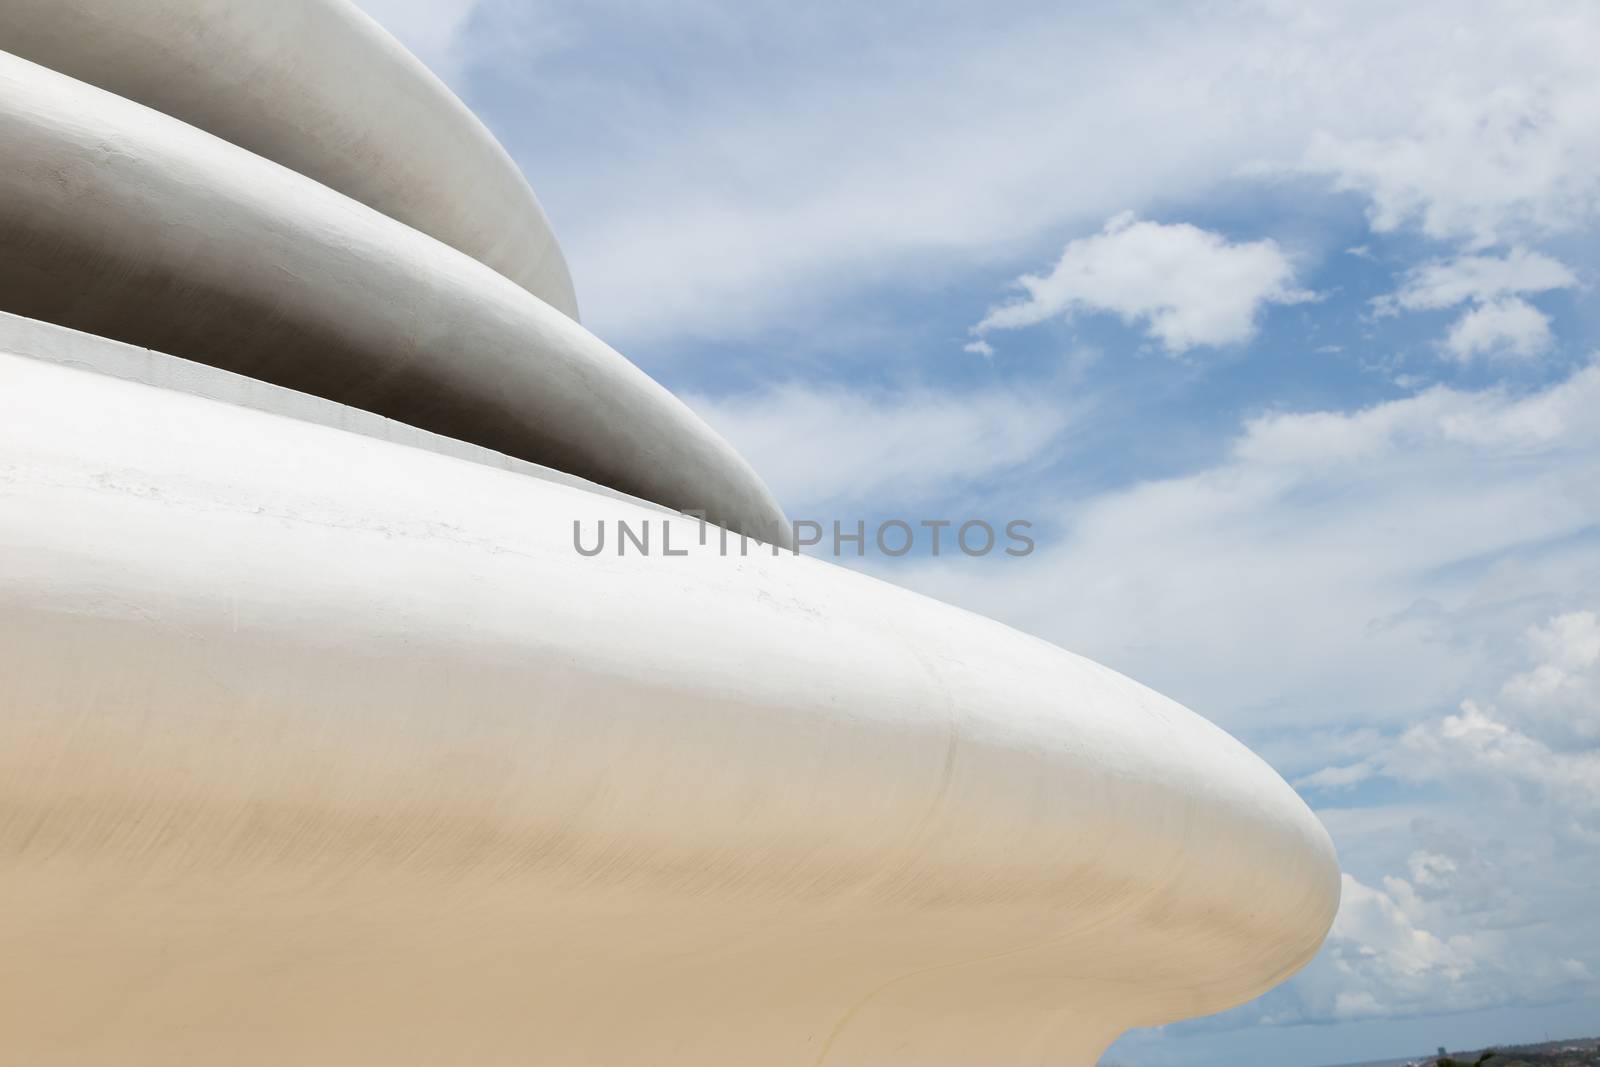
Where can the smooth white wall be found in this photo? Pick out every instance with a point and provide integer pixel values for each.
(320, 749)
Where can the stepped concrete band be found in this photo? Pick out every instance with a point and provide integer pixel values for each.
(123, 222)
(315, 748)
(317, 86)
(56, 344)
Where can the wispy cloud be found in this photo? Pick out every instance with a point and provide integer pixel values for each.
(1480, 279)
(1486, 167)
(822, 449)
(1335, 569)
(716, 167)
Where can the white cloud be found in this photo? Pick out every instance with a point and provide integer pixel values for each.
(1337, 777)
(1334, 570)
(1484, 913)
(1541, 742)
(979, 348)
(1509, 327)
(1388, 963)
(1382, 959)
(821, 449)
(1186, 286)
(1476, 743)
(1568, 642)
(1500, 322)
(1559, 696)
(1446, 283)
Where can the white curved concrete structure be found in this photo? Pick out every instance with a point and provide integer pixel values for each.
(321, 750)
(317, 86)
(126, 223)
(320, 742)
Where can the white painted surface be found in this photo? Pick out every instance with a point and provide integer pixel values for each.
(57, 344)
(126, 223)
(317, 86)
(315, 749)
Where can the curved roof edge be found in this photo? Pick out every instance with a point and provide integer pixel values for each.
(321, 88)
(129, 224)
(817, 804)
(47, 342)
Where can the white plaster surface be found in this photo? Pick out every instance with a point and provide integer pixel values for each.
(126, 223)
(317, 749)
(57, 344)
(317, 86)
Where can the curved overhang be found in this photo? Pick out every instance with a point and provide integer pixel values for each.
(129, 224)
(319, 87)
(317, 748)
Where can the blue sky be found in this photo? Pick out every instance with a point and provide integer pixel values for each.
(1277, 320)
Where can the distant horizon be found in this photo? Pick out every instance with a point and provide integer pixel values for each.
(1474, 1051)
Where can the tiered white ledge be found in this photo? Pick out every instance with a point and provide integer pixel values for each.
(323, 749)
(321, 743)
